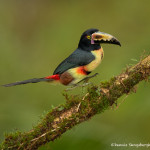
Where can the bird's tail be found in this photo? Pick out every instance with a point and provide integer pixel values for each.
(34, 80)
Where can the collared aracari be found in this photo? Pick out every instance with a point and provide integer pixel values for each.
(81, 62)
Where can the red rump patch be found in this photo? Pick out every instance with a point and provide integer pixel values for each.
(81, 70)
(55, 77)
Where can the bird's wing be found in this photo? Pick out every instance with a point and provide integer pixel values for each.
(77, 58)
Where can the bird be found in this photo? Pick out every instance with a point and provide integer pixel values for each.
(77, 66)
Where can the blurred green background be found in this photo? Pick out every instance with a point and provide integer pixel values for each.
(35, 36)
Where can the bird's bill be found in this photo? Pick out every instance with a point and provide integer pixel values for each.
(101, 37)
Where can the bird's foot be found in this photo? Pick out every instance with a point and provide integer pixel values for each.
(85, 83)
(85, 80)
(78, 85)
(72, 87)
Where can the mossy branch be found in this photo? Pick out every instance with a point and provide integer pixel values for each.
(79, 108)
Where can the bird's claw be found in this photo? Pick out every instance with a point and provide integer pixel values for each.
(77, 85)
(85, 83)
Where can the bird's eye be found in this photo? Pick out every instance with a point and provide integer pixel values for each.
(88, 37)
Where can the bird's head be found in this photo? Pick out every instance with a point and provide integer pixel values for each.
(92, 38)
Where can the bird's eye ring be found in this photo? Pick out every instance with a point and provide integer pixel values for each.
(88, 37)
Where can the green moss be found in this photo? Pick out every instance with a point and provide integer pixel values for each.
(72, 100)
(106, 84)
(97, 104)
(93, 92)
(12, 139)
(60, 108)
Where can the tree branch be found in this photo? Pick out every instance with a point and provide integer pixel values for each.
(79, 108)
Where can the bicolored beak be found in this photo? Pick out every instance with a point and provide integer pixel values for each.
(101, 37)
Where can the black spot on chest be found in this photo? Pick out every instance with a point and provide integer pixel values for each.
(88, 72)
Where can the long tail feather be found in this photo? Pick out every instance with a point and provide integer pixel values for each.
(35, 80)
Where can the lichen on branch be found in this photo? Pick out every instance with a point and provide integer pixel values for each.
(79, 108)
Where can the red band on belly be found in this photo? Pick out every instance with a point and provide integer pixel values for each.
(81, 70)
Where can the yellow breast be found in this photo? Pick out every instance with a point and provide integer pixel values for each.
(76, 74)
(98, 54)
